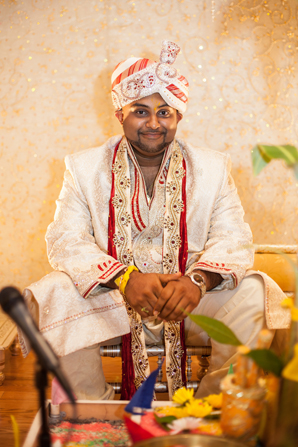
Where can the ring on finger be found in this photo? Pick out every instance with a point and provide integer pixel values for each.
(144, 309)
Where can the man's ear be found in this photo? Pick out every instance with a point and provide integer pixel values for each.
(119, 115)
(179, 116)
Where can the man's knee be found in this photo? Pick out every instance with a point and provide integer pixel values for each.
(255, 283)
(252, 291)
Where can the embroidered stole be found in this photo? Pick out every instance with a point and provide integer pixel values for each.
(135, 365)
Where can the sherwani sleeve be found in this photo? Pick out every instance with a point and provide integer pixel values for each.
(71, 244)
(228, 249)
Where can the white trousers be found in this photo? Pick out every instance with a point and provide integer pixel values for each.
(241, 309)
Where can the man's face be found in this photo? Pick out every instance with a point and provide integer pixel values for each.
(149, 124)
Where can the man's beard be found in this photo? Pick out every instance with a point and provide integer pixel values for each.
(151, 149)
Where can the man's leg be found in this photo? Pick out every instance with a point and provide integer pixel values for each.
(242, 310)
(84, 371)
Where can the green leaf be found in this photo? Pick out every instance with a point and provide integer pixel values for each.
(214, 415)
(286, 152)
(164, 421)
(258, 162)
(263, 154)
(267, 360)
(216, 330)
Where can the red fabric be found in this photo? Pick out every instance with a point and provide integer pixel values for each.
(149, 424)
(183, 80)
(183, 227)
(135, 204)
(90, 288)
(136, 431)
(128, 374)
(177, 92)
(137, 66)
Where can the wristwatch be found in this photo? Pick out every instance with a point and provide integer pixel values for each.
(199, 281)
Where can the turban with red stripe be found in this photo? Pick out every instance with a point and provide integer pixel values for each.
(136, 78)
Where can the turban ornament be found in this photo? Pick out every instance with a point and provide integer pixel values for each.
(136, 78)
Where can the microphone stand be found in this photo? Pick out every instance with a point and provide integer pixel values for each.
(41, 383)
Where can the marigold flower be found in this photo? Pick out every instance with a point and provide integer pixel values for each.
(198, 409)
(178, 412)
(212, 428)
(287, 303)
(215, 400)
(290, 371)
(182, 396)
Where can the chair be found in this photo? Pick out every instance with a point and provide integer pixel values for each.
(8, 339)
(202, 353)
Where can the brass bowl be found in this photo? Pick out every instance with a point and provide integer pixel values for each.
(192, 440)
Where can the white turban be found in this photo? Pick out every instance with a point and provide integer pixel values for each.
(136, 78)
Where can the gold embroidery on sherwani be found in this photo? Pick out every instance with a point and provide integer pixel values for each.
(121, 203)
(172, 243)
(174, 353)
(164, 231)
(122, 241)
(138, 347)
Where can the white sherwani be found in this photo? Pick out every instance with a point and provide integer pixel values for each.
(77, 243)
(78, 238)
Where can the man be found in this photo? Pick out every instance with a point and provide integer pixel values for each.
(161, 221)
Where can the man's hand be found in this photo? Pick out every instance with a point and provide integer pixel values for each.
(143, 290)
(178, 294)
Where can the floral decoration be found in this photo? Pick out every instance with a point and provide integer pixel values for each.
(183, 396)
(189, 412)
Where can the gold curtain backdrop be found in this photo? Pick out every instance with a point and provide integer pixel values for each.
(56, 59)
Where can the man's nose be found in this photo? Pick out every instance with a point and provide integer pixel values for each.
(152, 122)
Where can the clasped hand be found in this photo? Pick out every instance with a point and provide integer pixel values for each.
(165, 296)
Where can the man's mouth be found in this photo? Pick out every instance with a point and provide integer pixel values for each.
(153, 135)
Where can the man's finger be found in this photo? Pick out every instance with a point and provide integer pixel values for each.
(145, 310)
(178, 313)
(165, 278)
(170, 308)
(163, 299)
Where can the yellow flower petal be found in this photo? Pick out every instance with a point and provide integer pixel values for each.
(183, 395)
(16, 433)
(212, 428)
(215, 400)
(198, 409)
(294, 313)
(178, 412)
(291, 369)
(287, 303)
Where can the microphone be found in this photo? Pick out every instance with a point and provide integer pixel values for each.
(14, 305)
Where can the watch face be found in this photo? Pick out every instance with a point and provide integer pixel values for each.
(198, 278)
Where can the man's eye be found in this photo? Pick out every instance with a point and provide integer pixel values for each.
(140, 112)
(164, 112)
